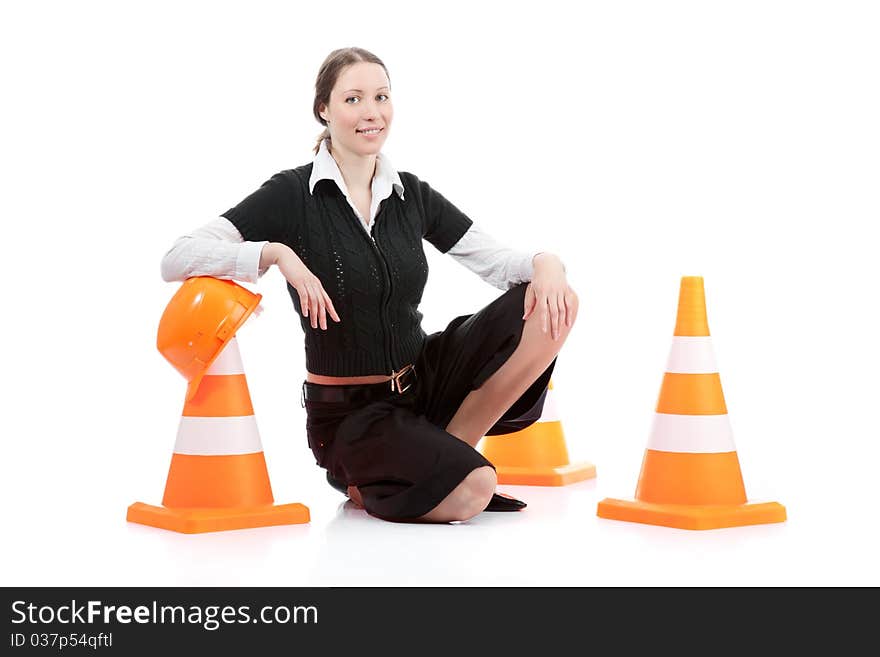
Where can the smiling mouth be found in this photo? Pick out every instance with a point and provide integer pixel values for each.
(371, 131)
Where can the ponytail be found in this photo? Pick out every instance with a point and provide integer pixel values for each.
(324, 135)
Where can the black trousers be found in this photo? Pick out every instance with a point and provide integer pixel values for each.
(395, 449)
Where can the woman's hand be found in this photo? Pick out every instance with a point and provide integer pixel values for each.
(550, 294)
(314, 302)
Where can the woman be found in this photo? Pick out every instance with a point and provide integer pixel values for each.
(392, 414)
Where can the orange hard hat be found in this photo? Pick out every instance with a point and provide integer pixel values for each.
(198, 322)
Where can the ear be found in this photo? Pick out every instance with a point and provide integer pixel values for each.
(322, 111)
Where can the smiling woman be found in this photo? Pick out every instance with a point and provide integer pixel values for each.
(393, 414)
(356, 98)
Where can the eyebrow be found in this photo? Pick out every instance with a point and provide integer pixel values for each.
(360, 91)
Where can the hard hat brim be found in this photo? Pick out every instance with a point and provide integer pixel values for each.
(193, 387)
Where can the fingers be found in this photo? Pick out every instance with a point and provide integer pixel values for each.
(325, 307)
(322, 309)
(333, 315)
(542, 302)
(553, 312)
(563, 311)
(315, 304)
(303, 300)
(557, 309)
(557, 314)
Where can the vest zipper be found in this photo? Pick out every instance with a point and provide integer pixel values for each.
(386, 300)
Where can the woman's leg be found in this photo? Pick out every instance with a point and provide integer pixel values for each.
(403, 467)
(483, 407)
(465, 501)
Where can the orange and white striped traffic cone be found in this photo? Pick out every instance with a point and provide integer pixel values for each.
(690, 477)
(536, 455)
(218, 478)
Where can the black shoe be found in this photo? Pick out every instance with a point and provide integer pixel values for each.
(504, 503)
(338, 485)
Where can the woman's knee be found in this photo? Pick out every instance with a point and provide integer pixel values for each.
(572, 305)
(482, 482)
(475, 491)
(467, 499)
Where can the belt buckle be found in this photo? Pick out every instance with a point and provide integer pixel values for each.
(396, 376)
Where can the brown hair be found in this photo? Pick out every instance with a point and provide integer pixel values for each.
(328, 74)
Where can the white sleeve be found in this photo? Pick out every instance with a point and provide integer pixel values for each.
(216, 249)
(498, 265)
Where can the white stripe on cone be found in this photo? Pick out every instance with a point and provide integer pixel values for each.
(550, 413)
(691, 433)
(228, 361)
(211, 436)
(692, 355)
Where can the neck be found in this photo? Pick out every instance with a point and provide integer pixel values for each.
(357, 170)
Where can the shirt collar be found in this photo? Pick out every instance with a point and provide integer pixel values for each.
(385, 180)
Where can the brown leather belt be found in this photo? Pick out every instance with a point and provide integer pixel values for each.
(400, 382)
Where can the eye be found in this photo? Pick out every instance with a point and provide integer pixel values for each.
(384, 96)
(351, 98)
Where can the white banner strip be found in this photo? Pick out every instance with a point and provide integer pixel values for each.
(550, 413)
(210, 436)
(229, 360)
(691, 433)
(691, 355)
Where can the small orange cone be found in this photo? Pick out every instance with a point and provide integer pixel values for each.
(536, 455)
(690, 477)
(218, 478)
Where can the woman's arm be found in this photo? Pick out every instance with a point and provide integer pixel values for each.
(497, 264)
(548, 293)
(217, 249)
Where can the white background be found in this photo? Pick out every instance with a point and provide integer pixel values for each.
(641, 141)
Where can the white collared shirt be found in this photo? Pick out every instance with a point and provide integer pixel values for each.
(218, 249)
(385, 181)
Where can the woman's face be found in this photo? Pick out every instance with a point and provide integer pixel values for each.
(359, 113)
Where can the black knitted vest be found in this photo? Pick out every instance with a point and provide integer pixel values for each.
(375, 280)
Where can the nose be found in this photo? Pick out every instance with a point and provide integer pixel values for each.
(370, 108)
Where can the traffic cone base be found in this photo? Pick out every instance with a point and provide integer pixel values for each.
(687, 516)
(536, 455)
(547, 476)
(197, 521)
